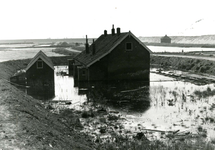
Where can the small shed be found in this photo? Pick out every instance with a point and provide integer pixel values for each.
(165, 39)
(40, 76)
(114, 56)
(19, 78)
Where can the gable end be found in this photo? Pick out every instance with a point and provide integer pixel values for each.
(116, 44)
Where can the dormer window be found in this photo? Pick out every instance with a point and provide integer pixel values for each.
(128, 46)
(39, 64)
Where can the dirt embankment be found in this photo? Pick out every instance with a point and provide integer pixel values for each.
(198, 66)
(25, 123)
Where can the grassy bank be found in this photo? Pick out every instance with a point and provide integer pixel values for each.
(181, 45)
(199, 66)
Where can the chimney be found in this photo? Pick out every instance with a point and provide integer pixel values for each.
(87, 46)
(113, 30)
(118, 31)
(94, 47)
(105, 32)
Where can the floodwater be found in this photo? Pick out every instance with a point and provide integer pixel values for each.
(178, 49)
(174, 106)
(65, 90)
(165, 104)
(24, 53)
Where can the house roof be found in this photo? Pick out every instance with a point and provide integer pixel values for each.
(165, 37)
(42, 56)
(103, 46)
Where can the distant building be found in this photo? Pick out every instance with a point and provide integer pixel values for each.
(40, 76)
(165, 39)
(115, 56)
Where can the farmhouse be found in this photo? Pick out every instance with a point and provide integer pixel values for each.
(115, 56)
(165, 39)
(40, 76)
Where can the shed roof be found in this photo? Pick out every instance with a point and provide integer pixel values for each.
(103, 46)
(42, 56)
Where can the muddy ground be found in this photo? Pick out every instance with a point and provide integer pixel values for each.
(26, 123)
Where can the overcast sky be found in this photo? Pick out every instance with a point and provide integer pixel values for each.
(23, 19)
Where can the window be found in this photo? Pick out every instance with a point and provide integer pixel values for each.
(39, 64)
(128, 47)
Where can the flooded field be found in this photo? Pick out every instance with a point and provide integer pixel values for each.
(24, 53)
(163, 106)
(178, 49)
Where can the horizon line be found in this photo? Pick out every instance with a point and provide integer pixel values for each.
(96, 38)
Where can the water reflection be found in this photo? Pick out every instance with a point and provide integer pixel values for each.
(42, 91)
(121, 95)
(65, 90)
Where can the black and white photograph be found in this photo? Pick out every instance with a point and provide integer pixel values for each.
(107, 75)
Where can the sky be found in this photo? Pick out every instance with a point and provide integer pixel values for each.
(33, 19)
